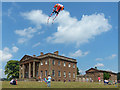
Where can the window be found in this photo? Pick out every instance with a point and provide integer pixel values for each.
(69, 65)
(59, 74)
(41, 73)
(53, 73)
(64, 74)
(69, 74)
(73, 65)
(46, 62)
(53, 62)
(59, 63)
(64, 64)
(45, 72)
(73, 75)
(41, 63)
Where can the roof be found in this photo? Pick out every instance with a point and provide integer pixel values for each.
(99, 70)
(48, 55)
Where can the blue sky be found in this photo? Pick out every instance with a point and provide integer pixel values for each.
(85, 31)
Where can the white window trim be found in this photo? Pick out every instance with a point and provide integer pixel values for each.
(64, 74)
(54, 62)
(69, 74)
(73, 65)
(60, 74)
(69, 65)
(64, 64)
(45, 62)
(41, 63)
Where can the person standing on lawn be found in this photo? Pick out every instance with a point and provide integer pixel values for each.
(49, 81)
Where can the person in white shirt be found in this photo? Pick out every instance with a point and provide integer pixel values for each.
(49, 81)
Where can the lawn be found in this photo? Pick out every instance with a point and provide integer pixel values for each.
(34, 84)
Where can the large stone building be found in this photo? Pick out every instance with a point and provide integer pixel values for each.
(59, 67)
(94, 73)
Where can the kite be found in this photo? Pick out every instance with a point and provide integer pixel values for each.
(57, 8)
(45, 80)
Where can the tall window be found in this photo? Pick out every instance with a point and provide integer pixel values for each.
(46, 62)
(64, 64)
(53, 72)
(59, 74)
(41, 73)
(69, 74)
(53, 62)
(59, 63)
(69, 65)
(73, 75)
(73, 65)
(45, 72)
(64, 74)
(41, 62)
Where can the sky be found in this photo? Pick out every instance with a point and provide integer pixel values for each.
(85, 31)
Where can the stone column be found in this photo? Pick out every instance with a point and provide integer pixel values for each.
(39, 69)
(23, 70)
(19, 72)
(50, 71)
(29, 70)
(34, 69)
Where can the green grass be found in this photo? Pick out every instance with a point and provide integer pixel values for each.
(34, 84)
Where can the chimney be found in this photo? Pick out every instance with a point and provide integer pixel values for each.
(56, 52)
(41, 53)
(34, 55)
(95, 67)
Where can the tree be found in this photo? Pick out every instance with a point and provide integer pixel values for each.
(78, 71)
(12, 69)
(106, 75)
(118, 76)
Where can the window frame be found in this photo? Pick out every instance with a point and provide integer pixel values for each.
(64, 64)
(46, 62)
(64, 74)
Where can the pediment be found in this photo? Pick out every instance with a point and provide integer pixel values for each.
(25, 57)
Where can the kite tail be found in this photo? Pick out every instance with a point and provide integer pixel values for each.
(49, 17)
(54, 18)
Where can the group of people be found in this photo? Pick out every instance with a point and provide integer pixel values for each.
(13, 82)
(109, 82)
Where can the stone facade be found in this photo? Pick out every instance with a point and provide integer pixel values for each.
(59, 67)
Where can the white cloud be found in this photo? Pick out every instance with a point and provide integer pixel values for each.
(25, 34)
(37, 44)
(15, 49)
(5, 56)
(22, 40)
(2, 74)
(99, 59)
(79, 53)
(6, 53)
(99, 65)
(36, 16)
(72, 30)
(107, 58)
(111, 57)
